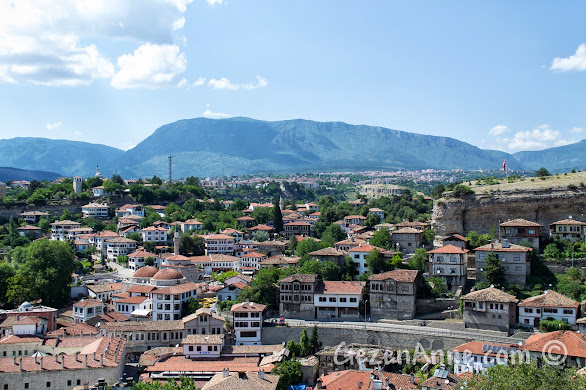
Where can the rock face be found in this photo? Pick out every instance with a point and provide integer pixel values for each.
(481, 212)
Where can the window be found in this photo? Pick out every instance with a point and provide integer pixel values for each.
(6, 386)
(517, 258)
(48, 384)
(356, 256)
(352, 299)
(322, 299)
(78, 382)
(342, 299)
(199, 348)
(568, 311)
(332, 299)
(26, 385)
(191, 348)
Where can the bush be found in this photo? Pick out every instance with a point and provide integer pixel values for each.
(461, 190)
(551, 325)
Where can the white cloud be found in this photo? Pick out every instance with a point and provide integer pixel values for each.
(215, 115)
(573, 62)
(78, 133)
(151, 66)
(53, 126)
(199, 82)
(498, 130)
(212, 3)
(576, 130)
(224, 83)
(540, 138)
(54, 43)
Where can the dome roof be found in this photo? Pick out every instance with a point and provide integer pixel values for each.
(168, 274)
(145, 272)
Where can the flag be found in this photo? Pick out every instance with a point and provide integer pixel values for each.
(505, 165)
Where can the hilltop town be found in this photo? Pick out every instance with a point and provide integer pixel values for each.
(318, 281)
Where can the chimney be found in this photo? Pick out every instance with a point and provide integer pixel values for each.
(20, 364)
(41, 363)
(101, 360)
(227, 372)
(14, 360)
(62, 362)
(261, 374)
(412, 378)
(359, 385)
(387, 382)
(85, 360)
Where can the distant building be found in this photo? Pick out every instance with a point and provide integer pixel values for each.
(514, 258)
(77, 185)
(550, 304)
(247, 320)
(568, 229)
(490, 308)
(393, 293)
(449, 262)
(519, 230)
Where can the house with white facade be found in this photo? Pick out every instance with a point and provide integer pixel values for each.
(136, 259)
(377, 211)
(230, 291)
(191, 224)
(130, 305)
(247, 320)
(95, 210)
(86, 309)
(219, 243)
(119, 246)
(550, 304)
(154, 234)
(130, 209)
(99, 191)
(359, 253)
(251, 260)
(237, 234)
(203, 346)
(60, 229)
(477, 356)
(167, 301)
(338, 299)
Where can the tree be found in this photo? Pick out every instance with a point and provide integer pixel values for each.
(277, 216)
(461, 190)
(526, 376)
(372, 220)
(149, 261)
(314, 342)
(156, 180)
(307, 245)
(44, 225)
(149, 246)
(6, 272)
(493, 271)
(332, 234)
(542, 172)
(574, 274)
(551, 252)
(49, 264)
(305, 343)
(475, 240)
(438, 191)
(418, 260)
(289, 372)
(190, 306)
(122, 260)
(293, 243)
(260, 236)
(376, 263)
(221, 278)
(438, 286)
(382, 239)
(350, 269)
(183, 384)
(191, 245)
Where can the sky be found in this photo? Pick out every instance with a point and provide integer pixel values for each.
(499, 75)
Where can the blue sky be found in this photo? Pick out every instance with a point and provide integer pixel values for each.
(500, 74)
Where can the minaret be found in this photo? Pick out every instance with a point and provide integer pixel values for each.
(176, 243)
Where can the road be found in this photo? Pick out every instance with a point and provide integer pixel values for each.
(124, 272)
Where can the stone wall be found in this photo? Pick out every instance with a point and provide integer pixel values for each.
(480, 212)
(426, 306)
(335, 336)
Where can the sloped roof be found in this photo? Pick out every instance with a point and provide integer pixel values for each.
(400, 275)
(549, 298)
(490, 294)
(449, 249)
(520, 222)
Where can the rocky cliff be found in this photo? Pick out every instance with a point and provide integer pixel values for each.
(480, 212)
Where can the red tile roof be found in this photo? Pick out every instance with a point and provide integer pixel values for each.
(132, 300)
(574, 343)
(520, 222)
(365, 248)
(90, 302)
(498, 247)
(400, 275)
(340, 287)
(179, 289)
(549, 298)
(449, 249)
(248, 306)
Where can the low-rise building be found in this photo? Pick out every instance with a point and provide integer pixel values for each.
(296, 295)
(518, 230)
(33, 216)
(297, 229)
(119, 246)
(247, 320)
(135, 305)
(230, 292)
(491, 309)
(154, 234)
(407, 239)
(219, 243)
(95, 210)
(191, 224)
(29, 231)
(359, 253)
(137, 259)
(568, 229)
(104, 292)
(338, 299)
(550, 304)
(514, 258)
(449, 262)
(252, 260)
(26, 309)
(60, 229)
(130, 209)
(86, 309)
(242, 381)
(477, 356)
(393, 294)
(571, 346)
(202, 346)
(330, 254)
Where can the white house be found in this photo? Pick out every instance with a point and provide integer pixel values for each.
(167, 301)
(119, 246)
(203, 346)
(450, 263)
(338, 299)
(95, 210)
(219, 243)
(60, 229)
(136, 259)
(99, 191)
(377, 211)
(550, 304)
(129, 305)
(247, 320)
(359, 253)
(86, 309)
(191, 224)
(230, 291)
(154, 234)
(477, 356)
(130, 209)
(251, 260)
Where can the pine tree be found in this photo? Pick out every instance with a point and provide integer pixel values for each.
(314, 342)
(494, 272)
(277, 216)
